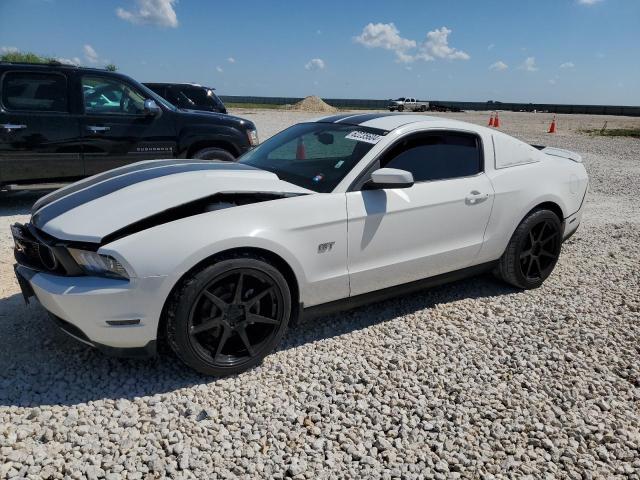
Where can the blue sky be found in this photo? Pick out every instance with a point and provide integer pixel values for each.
(564, 51)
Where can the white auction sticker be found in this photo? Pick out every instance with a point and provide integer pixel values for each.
(364, 137)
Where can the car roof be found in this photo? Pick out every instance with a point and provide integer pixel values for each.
(54, 66)
(389, 121)
(185, 84)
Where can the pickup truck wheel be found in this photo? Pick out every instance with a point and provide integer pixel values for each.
(226, 318)
(213, 153)
(533, 251)
(423, 108)
(401, 108)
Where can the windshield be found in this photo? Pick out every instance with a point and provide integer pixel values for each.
(316, 156)
(401, 99)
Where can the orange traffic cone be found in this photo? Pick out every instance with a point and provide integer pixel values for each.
(552, 127)
(301, 154)
(491, 120)
(496, 121)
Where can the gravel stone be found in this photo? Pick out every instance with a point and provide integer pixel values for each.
(469, 380)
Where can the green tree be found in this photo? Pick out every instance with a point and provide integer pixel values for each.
(25, 57)
(110, 67)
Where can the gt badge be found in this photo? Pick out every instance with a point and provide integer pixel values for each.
(325, 247)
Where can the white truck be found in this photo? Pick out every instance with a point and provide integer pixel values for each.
(407, 103)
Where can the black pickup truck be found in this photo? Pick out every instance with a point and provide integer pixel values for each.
(189, 95)
(59, 123)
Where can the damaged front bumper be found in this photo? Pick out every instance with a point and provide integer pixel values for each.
(118, 317)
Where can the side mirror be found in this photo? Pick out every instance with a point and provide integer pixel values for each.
(389, 178)
(151, 107)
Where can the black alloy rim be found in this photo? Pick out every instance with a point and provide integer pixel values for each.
(235, 316)
(539, 251)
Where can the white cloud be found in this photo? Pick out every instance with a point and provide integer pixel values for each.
(90, 54)
(437, 46)
(529, 64)
(491, 46)
(315, 64)
(69, 61)
(553, 81)
(231, 60)
(588, 2)
(318, 32)
(408, 68)
(387, 36)
(219, 69)
(499, 65)
(567, 65)
(9, 49)
(151, 12)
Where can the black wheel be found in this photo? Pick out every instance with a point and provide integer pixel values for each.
(227, 317)
(401, 108)
(212, 153)
(423, 108)
(533, 251)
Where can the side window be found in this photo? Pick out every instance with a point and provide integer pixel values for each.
(178, 97)
(41, 92)
(436, 157)
(106, 95)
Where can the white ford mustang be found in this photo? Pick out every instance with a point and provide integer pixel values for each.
(218, 258)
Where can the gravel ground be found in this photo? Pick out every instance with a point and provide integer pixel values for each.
(469, 380)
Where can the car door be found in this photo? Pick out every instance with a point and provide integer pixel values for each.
(436, 226)
(116, 130)
(39, 136)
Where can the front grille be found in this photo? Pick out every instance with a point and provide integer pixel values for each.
(33, 253)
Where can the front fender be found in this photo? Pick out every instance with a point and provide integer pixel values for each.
(191, 135)
(291, 228)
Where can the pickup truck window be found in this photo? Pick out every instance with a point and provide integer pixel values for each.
(43, 92)
(106, 95)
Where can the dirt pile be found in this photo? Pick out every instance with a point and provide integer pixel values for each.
(313, 104)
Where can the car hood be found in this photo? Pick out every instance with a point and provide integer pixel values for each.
(90, 210)
(206, 116)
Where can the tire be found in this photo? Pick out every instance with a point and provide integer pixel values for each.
(212, 153)
(533, 251)
(225, 318)
(423, 108)
(401, 108)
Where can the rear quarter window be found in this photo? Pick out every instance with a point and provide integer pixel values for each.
(37, 92)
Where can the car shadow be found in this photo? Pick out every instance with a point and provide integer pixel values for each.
(39, 365)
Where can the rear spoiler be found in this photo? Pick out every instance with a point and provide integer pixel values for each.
(559, 152)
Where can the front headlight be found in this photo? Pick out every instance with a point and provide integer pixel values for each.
(94, 263)
(253, 137)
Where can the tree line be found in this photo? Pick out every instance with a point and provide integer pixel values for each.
(30, 57)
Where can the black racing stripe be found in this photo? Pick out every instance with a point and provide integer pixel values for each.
(335, 118)
(58, 194)
(365, 117)
(51, 211)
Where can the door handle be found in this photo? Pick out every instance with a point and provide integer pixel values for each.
(10, 127)
(97, 129)
(475, 197)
